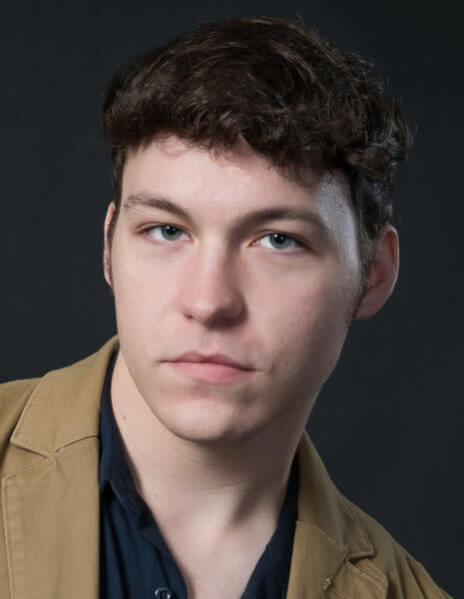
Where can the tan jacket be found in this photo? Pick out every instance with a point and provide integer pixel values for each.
(49, 521)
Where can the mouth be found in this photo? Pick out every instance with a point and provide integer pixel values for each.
(210, 372)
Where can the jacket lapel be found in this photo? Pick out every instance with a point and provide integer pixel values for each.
(50, 492)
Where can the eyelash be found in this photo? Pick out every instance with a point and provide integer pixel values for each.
(298, 243)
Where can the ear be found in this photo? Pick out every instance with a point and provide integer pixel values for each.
(107, 250)
(383, 273)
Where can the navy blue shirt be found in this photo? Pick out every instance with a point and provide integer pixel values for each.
(135, 562)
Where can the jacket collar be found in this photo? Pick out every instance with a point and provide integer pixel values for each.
(328, 536)
(64, 407)
(321, 506)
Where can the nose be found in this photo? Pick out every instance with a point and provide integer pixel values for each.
(210, 292)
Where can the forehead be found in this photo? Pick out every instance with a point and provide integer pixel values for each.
(225, 184)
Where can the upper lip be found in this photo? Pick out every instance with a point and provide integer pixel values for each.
(193, 356)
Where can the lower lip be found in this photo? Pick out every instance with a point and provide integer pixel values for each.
(210, 372)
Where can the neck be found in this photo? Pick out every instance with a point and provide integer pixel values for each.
(222, 483)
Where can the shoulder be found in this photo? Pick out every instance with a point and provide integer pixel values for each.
(369, 559)
(407, 578)
(82, 378)
(13, 397)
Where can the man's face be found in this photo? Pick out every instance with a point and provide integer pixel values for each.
(274, 293)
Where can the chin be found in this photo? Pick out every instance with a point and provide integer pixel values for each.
(207, 427)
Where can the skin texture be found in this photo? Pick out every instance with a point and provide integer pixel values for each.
(280, 306)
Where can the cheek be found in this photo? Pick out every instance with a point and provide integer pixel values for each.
(310, 332)
(138, 292)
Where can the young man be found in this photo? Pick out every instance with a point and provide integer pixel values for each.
(250, 225)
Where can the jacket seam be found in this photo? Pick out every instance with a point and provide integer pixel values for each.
(9, 477)
(6, 530)
(367, 577)
(8, 518)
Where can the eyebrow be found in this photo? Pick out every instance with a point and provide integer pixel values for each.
(252, 218)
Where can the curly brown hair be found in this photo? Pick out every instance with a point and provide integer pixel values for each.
(293, 96)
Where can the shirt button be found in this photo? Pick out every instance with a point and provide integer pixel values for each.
(163, 593)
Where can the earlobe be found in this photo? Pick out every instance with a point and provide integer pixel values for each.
(383, 273)
(107, 250)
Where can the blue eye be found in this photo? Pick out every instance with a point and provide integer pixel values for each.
(168, 232)
(280, 241)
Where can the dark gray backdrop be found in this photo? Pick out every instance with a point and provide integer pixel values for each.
(388, 423)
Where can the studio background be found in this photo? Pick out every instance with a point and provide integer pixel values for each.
(388, 423)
